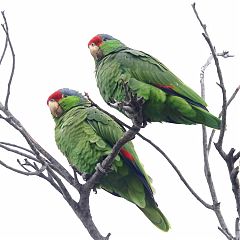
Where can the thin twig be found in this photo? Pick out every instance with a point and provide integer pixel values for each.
(17, 146)
(5, 28)
(6, 42)
(51, 181)
(27, 173)
(219, 72)
(224, 54)
(237, 229)
(225, 234)
(4, 50)
(220, 115)
(23, 165)
(64, 190)
(221, 84)
(36, 148)
(18, 152)
(209, 206)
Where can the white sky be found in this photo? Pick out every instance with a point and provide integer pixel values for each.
(50, 41)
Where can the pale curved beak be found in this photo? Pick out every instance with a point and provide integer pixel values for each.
(55, 108)
(94, 50)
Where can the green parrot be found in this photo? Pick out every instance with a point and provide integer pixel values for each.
(85, 135)
(165, 98)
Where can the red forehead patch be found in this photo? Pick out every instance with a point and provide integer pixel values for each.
(97, 40)
(56, 96)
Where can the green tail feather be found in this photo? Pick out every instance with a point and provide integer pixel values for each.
(206, 118)
(153, 213)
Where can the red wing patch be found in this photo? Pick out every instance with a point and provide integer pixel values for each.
(127, 154)
(161, 86)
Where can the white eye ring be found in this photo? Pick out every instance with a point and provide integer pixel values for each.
(93, 44)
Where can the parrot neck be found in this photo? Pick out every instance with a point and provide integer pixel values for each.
(73, 101)
(111, 46)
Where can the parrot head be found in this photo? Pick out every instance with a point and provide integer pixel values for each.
(103, 44)
(64, 99)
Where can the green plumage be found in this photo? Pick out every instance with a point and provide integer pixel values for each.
(86, 136)
(166, 97)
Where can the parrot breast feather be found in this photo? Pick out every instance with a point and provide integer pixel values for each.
(83, 152)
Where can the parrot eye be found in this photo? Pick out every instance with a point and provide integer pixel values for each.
(93, 44)
(52, 100)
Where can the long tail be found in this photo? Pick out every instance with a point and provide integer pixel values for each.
(153, 213)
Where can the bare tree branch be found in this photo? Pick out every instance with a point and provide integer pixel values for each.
(229, 158)
(216, 204)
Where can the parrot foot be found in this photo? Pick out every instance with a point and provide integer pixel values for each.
(75, 172)
(115, 105)
(132, 109)
(95, 189)
(136, 114)
(123, 107)
(101, 169)
(86, 176)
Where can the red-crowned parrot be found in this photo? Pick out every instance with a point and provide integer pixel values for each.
(85, 135)
(165, 97)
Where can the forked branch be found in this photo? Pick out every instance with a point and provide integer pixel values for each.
(230, 157)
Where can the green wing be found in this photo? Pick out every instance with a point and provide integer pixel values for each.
(111, 132)
(147, 69)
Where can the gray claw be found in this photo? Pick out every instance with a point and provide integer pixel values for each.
(128, 110)
(131, 107)
(86, 176)
(114, 105)
(100, 168)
